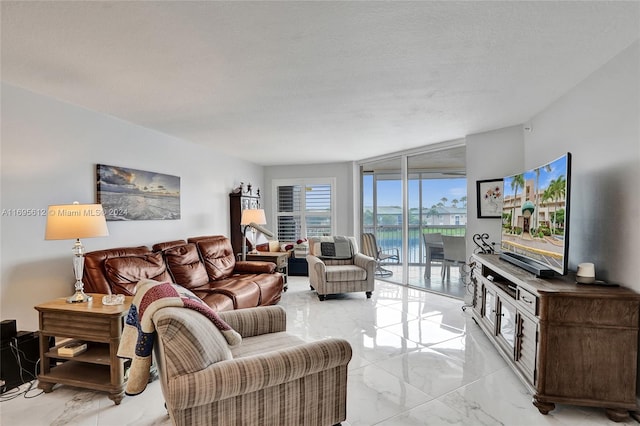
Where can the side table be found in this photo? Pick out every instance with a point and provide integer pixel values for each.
(98, 325)
(280, 258)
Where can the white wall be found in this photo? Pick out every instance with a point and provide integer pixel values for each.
(490, 155)
(345, 198)
(49, 153)
(598, 121)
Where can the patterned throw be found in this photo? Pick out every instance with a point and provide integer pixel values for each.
(139, 331)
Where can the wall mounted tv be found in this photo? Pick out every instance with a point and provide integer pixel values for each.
(535, 218)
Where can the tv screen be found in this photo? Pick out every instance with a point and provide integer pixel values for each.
(535, 218)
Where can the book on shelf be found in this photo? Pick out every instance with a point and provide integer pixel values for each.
(72, 348)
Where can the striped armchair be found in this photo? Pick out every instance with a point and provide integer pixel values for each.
(271, 378)
(336, 266)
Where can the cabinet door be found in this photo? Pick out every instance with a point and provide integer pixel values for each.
(489, 308)
(527, 347)
(506, 325)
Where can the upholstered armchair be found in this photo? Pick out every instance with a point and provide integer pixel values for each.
(336, 266)
(270, 378)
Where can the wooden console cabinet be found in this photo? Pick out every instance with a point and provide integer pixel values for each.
(569, 343)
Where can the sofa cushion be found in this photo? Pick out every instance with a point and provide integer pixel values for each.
(219, 302)
(256, 345)
(241, 289)
(185, 265)
(345, 273)
(125, 272)
(218, 257)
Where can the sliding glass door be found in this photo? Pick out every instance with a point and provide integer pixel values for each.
(382, 213)
(405, 198)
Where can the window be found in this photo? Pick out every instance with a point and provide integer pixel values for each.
(304, 208)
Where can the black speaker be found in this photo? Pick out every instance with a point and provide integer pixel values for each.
(7, 330)
(20, 359)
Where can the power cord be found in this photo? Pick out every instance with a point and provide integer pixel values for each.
(19, 355)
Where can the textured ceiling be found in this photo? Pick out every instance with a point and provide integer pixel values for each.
(312, 82)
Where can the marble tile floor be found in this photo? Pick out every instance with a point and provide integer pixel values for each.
(454, 285)
(418, 359)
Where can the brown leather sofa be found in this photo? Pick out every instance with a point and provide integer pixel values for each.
(205, 265)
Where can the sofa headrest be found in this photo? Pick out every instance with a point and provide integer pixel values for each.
(124, 272)
(95, 278)
(185, 266)
(168, 244)
(218, 257)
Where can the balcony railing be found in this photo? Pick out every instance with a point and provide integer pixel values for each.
(390, 237)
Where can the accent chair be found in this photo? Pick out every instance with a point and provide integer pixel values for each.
(336, 266)
(271, 378)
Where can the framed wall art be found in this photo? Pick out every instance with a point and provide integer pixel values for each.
(489, 195)
(130, 194)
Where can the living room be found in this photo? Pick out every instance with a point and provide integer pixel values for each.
(50, 148)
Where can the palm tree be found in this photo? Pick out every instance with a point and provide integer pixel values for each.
(548, 195)
(516, 183)
(558, 192)
(463, 200)
(454, 202)
(547, 168)
(444, 201)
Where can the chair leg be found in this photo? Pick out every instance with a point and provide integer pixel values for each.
(369, 293)
(382, 272)
(322, 297)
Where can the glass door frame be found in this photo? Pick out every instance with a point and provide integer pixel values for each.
(404, 175)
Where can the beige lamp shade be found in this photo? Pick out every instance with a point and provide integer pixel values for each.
(253, 216)
(75, 221)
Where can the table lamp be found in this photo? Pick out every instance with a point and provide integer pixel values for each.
(75, 221)
(249, 218)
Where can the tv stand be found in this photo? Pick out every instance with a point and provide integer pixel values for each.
(527, 264)
(569, 343)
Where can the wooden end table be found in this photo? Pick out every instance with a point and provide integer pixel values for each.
(98, 325)
(280, 258)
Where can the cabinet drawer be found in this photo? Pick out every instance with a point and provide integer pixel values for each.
(528, 301)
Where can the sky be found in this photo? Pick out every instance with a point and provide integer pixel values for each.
(433, 190)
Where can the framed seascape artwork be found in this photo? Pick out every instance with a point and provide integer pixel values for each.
(489, 193)
(130, 194)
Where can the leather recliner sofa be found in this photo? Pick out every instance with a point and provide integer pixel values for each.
(204, 265)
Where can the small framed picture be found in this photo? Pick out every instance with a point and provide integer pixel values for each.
(489, 194)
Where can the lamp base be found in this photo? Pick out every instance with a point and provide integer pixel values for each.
(79, 297)
(254, 251)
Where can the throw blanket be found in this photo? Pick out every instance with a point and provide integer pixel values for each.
(139, 331)
(336, 247)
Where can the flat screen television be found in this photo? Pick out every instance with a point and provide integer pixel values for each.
(535, 218)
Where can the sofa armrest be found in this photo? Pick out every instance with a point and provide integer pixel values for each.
(255, 321)
(230, 378)
(254, 267)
